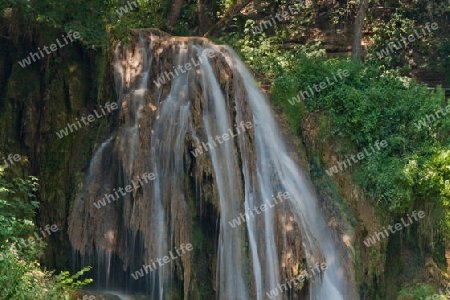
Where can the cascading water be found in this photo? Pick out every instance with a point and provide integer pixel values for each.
(167, 128)
(271, 152)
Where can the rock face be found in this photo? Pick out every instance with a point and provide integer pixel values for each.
(39, 100)
(196, 159)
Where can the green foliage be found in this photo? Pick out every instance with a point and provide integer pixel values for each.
(22, 278)
(423, 10)
(149, 14)
(96, 21)
(226, 4)
(429, 51)
(385, 32)
(16, 210)
(89, 19)
(188, 19)
(20, 273)
(265, 55)
(344, 12)
(417, 292)
(72, 282)
(282, 89)
(435, 181)
(259, 51)
(370, 105)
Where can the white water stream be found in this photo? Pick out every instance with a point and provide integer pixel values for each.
(240, 272)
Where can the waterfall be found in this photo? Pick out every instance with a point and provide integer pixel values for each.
(208, 135)
(271, 151)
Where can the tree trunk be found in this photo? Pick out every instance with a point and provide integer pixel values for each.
(174, 12)
(206, 15)
(359, 26)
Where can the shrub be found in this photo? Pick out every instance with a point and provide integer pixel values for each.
(418, 292)
(20, 274)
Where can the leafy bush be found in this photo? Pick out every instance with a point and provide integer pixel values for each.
(16, 210)
(391, 31)
(431, 51)
(265, 55)
(20, 274)
(22, 278)
(418, 292)
(369, 105)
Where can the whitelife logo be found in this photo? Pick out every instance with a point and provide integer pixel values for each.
(187, 66)
(263, 207)
(281, 16)
(10, 158)
(371, 241)
(323, 85)
(124, 9)
(411, 38)
(197, 151)
(273, 293)
(360, 156)
(441, 295)
(27, 61)
(65, 132)
(166, 259)
(430, 118)
(23, 244)
(128, 189)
